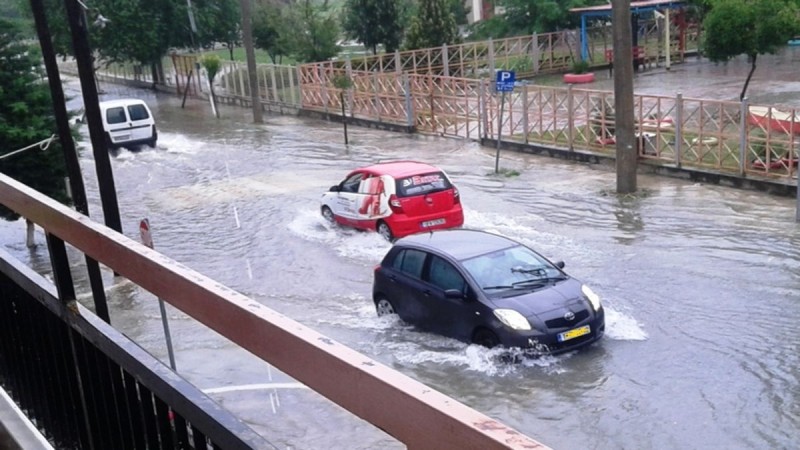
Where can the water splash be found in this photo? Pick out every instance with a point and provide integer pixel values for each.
(347, 242)
(623, 327)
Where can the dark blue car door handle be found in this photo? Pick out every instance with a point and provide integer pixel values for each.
(427, 292)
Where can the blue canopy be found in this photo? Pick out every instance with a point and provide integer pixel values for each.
(605, 11)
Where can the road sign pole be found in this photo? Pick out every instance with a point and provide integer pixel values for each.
(504, 82)
(147, 239)
(499, 132)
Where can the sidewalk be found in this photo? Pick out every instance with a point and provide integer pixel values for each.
(16, 431)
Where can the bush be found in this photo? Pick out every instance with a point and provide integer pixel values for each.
(580, 66)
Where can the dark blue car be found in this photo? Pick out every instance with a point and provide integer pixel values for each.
(486, 289)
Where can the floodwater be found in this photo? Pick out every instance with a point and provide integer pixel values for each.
(775, 81)
(700, 285)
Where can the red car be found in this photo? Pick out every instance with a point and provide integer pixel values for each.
(395, 199)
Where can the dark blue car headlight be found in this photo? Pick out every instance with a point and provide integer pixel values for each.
(593, 298)
(512, 319)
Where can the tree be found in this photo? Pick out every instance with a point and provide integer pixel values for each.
(218, 21)
(270, 31)
(375, 22)
(531, 16)
(735, 27)
(432, 26)
(27, 117)
(138, 30)
(314, 30)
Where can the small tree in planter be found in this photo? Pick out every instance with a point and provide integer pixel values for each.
(343, 83)
(579, 73)
(212, 64)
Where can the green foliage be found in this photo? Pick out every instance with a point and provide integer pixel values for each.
(271, 31)
(460, 11)
(211, 63)
(314, 30)
(433, 26)
(530, 16)
(375, 22)
(26, 117)
(735, 27)
(139, 31)
(142, 31)
(342, 81)
(517, 64)
(580, 66)
(216, 21)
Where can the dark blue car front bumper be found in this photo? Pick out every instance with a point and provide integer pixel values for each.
(548, 343)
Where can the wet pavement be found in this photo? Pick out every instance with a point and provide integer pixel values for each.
(699, 283)
(775, 81)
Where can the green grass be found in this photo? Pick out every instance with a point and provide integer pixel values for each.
(261, 56)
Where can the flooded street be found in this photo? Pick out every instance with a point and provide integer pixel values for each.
(700, 284)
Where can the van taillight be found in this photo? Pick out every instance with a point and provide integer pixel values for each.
(395, 204)
(456, 197)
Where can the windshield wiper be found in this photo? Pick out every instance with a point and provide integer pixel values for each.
(528, 283)
(540, 271)
(489, 288)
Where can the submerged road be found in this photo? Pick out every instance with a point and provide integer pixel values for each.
(700, 284)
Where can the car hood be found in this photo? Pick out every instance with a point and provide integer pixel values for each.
(548, 301)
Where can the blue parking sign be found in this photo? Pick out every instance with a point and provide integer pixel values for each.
(505, 80)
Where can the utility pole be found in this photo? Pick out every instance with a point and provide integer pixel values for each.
(68, 147)
(247, 38)
(91, 103)
(627, 152)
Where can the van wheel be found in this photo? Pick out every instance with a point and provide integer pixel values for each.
(327, 214)
(384, 230)
(485, 338)
(384, 307)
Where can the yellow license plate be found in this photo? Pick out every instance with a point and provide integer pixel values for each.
(572, 334)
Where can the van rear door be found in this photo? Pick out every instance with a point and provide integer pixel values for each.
(140, 121)
(116, 121)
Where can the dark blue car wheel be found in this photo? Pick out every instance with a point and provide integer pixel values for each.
(384, 307)
(486, 338)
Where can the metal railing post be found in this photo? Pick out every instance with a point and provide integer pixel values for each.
(571, 118)
(348, 67)
(397, 63)
(525, 113)
(491, 55)
(409, 105)
(678, 128)
(743, 110)
(445, 61)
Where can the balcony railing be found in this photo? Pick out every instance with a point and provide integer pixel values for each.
(84, 385)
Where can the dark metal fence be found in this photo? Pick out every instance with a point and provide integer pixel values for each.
(86, 386)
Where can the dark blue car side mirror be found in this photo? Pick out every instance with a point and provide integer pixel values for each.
(560, 264)
(453, 293)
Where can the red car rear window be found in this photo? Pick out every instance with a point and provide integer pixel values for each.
(422, 184)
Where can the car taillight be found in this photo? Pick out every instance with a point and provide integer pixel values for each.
(395, 204)
(456, 197)
(377, 268)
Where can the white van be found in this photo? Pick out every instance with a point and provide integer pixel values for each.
(128, 122)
